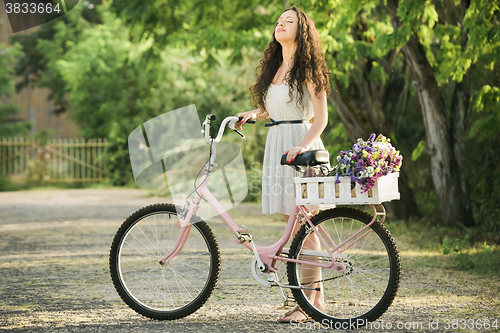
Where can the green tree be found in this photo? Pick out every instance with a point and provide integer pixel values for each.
(433, 37)
(423, 72)
(374, 48)
(240, 27)
(33, 65)
(114, 87)
(9, 124)
(466, 37)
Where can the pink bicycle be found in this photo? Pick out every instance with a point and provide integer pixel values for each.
(166, 267)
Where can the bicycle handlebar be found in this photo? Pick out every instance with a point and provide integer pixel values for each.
(231, 120)
(249, 121)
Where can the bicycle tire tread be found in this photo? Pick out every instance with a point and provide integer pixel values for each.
(355, 213)
(176, 314)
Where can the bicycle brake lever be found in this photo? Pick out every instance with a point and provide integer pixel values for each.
(232, 126)
(235, 130)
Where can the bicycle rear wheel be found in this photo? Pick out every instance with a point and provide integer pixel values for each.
(177, 288)
(365, 290)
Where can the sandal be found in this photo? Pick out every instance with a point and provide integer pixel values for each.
(292, 310)
(289, 313)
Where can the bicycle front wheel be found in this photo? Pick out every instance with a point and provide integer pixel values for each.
(177, 288)
(368, 285)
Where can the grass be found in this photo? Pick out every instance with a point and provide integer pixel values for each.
(447, 247)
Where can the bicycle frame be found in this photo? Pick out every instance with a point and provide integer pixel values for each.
(269, 254)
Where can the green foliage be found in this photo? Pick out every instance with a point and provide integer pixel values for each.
(455, 245)
(126, 62)
(361, 32)
(8, 185)
(482, 20)
(35, 65)
(207, 25)
(474, 252)
(114, 88)
(487, 102)
(483, 160)
(8, 111)
(417, 152)
(480, 258)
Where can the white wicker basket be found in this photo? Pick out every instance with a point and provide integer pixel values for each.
(323, 190)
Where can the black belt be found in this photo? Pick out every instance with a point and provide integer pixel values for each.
(274, 122)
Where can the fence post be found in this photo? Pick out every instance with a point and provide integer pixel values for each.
(40, 161)
(53, 160)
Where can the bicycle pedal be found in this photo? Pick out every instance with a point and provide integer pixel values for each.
(243, 237)
(271, 278)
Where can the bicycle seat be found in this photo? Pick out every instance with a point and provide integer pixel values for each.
(309, 158)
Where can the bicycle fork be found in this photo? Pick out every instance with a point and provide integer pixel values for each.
(185, 215)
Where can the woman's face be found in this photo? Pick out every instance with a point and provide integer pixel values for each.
(286, 27)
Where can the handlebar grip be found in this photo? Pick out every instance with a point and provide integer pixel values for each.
(249, 121)
(211, 117)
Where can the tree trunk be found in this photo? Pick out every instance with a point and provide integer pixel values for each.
(440, 149)
(407, 206)
(371, 98)
(350, 117)
(459, 110)
(360, 108)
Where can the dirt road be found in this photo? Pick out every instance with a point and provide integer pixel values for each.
(54, 247)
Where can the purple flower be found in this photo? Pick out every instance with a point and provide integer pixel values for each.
(354, 163)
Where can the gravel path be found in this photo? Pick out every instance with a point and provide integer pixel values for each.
(54, 247)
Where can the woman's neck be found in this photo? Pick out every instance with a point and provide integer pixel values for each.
(288, 52)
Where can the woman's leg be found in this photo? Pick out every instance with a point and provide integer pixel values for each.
(309, 274)
(313, 273)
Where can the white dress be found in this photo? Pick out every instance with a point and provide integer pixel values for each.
(278, 191)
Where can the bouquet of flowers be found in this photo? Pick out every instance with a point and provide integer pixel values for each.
(367, 161)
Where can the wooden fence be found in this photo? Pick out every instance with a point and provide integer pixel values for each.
(53, 160)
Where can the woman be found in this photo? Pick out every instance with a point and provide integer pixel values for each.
(292, 86)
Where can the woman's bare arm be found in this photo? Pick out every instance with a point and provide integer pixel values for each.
(254, 114)
(320, 116)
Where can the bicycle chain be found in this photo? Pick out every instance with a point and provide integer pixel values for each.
(328, 279)
(301, 219)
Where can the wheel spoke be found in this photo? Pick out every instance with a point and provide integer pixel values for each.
(171, 290)
(371, 267)
(139, 251)
(144, 277)
(140, 242)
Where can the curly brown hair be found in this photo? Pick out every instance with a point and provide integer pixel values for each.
(308, 63)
